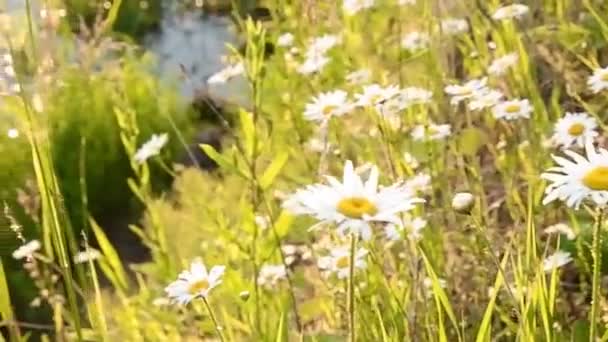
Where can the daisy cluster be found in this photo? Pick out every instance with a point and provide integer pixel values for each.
(479, 97)
(387, 101)
(316, 57)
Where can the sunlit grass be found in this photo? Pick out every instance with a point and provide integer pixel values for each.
(406, 170)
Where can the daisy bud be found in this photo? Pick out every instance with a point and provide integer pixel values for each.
(244, 295)
(463, 202)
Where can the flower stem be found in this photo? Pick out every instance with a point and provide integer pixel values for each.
(351, 289)
(218, 329)
(597, 265)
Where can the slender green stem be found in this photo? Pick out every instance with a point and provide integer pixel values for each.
(30, 25)
(597, 265)
(218, 328)
(351, 289)
(478, 226)
(277, 238)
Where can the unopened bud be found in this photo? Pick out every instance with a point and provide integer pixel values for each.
(463, 202)
(244, 295)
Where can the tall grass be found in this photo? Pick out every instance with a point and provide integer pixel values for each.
(447, 270)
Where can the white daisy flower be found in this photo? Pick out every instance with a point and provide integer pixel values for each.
(313, 64)
(465, 91)
(420, 183)
(9, 71)
(338, 261)
(431, 131)
(582, 177)
(13, 133)
(351, 7)
(6, 58)
(262, 221)
(599, 80)
(575, 129)
(320, 45)
(194, 282)
(359, 77)
(428, 283)
(410, 160)
(392, 232)
(561, 228)
(27, 250)
(500, 65)
(414, 226)
(512, 109)
(375, 94)
(270, 275)
(151, 147)
(416, 41)
(415, 95)
(315, 144)
(353, 204)
(87, 255)
(514, 11)
(453, 26)
(556, 260)
(486, 98)
(285, 40)
(327, 105)
(411, 225)
(227, 73)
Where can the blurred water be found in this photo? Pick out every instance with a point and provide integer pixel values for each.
(197, 43)
(187, 39)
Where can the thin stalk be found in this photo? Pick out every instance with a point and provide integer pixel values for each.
(218, 329)
(351, 289)
(292, 292)
(30, 26)
(597, 264)
(486, 240)
(49, 191)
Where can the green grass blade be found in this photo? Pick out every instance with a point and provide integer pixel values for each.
(485, 328)
(6, 311)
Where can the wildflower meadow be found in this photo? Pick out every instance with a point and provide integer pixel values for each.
(304, 170)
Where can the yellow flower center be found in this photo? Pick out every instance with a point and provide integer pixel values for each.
(356, 207)
(512, 108)
(605, 77)
(576, 129)
(597, 179)
(198, 287)
(329, 109)
(343, 262)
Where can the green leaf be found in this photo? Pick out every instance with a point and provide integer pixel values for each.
(580, 331)
(6, 312)
(471, 140)
(273, 170)
(440, 295)
(248, 127)
(222, 161)
(109, 254)
(483, 334)
(283, 224)
(112, 15)
(281, 332)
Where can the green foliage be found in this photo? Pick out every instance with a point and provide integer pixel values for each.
(87, 124)
(131, 19)
(459, 275)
